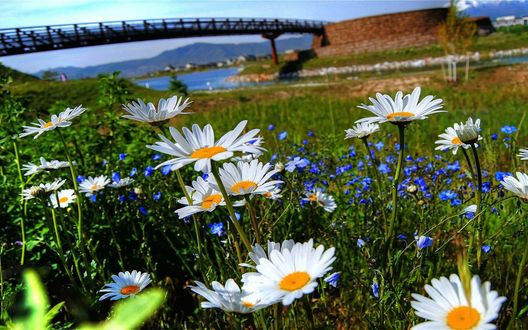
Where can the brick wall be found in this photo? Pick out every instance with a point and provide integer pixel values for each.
(382, 32)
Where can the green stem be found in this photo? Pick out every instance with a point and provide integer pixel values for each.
(520, 275)
(253, 218)
(479, 201)
(241, 233)
(59, 244)
(469, 162)
(195, 220)
(75, 187)
(395, 182)
(378, 182)
(24, 204)
(80, 236)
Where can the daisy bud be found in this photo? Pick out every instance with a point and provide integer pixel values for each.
(138, 191)
(279, 167)
(468, 133)
(411, 189)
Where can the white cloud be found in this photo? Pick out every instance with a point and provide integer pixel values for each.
(465, 4)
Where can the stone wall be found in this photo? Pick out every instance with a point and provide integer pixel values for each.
(376, 33)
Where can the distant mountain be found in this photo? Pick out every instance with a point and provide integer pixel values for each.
(198, 53)
(495, 9)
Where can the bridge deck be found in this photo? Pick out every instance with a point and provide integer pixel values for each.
(54, 37)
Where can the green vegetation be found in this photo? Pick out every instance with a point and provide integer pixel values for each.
(127, 228)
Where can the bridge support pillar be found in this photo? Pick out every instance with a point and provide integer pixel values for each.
(271, 36)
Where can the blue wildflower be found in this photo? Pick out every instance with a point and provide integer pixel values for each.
(116, 177)
(401, 237)
(156, 157)
(93, 198)
(379, 146)
(165, 170)
(423, 242)
(508, 129)
(375, 289)
(122, 198)
(122, 156)
(217, 228)
(499, 176)
(80, 178)
(133, 172)
(360, 243)
(384, 168)
(310, 133)
(143, 210)
(332, 279)
(271, 127)
(447, 195)
(148, 171)
(283, 135)
(156, 196)
(494, 136)
(486, 248)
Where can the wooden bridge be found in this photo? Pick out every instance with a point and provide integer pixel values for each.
(54, 37)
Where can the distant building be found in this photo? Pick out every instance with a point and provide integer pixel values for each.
(189, 66)
(169, 68)
(484, 25)
(505, 21)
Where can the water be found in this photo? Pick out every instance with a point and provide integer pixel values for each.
(199, 81)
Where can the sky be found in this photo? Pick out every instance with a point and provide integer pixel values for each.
(23, 13)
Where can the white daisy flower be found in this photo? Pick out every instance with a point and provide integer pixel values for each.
(258, 252)
(402, 109)
(361, 130)
(66, 197)
(468, 132)
(450, 140)
(204, 199)
(246, 178)
(288, 274)
(274, 194)
(148, 113)
(121, 183)
(42, 189)
(229, 298)
(198, 146)
(92, 185)
(523, 154)
(62, 120)
(322, 199)
(247, 157)
(125, 285)
(517, 186)
(450, 308)
(31, 168)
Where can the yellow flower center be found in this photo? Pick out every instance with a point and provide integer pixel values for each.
(208, 202)
(95, 187)
(394, 115)
(457, 140)
(207, 152)
(129, 289)
(243, 186)
(463, 318)
(267, 194)
(63, 199)
(48, 124)
(294, 281)
(247, 304)
(313, 198)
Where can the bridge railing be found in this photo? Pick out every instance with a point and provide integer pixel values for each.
(40, 38)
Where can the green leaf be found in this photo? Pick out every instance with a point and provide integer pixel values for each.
(36, 303)
(132, 312)
(53, 312)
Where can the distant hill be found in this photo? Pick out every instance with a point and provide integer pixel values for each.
(199, 53)
(495, 9)
(14, 74)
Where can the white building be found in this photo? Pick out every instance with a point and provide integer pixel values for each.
(504, 21)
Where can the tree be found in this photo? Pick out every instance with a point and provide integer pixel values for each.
(50, 75)
(456, 35)
(113, 89)
(177, 86)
